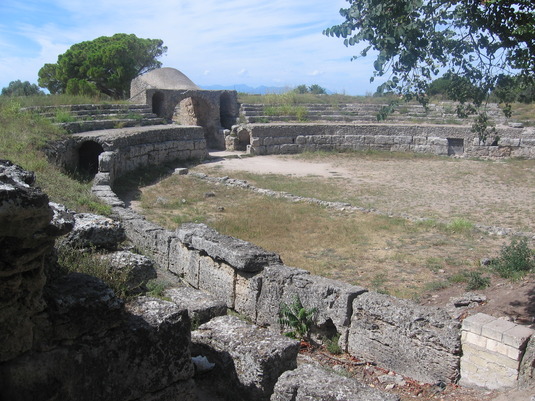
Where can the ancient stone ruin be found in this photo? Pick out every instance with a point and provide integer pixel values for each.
(175, 97)
(89, 345)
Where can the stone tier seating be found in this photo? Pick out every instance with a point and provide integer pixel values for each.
(92, 117)
(443, 113)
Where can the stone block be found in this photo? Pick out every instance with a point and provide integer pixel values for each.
(509, 141)
(301, 140)
(217, 278)
(475, 323)
(91, 230)
(239, 254)
(249, 359)
(517, 336)
(273, 291)
(308, 382)
(504, 349)
(184, 262)
(415, 341)
(75, 302)
(135, 269)
(484, 357)
(201, 306)
(106, 161)
(526, 374)
(247, 291)
(475, 339)
(495, 329)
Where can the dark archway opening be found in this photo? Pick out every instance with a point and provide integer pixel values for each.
(157, 104)
(88, 155)
(226, 115)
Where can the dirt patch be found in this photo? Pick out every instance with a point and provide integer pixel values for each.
(490, 193)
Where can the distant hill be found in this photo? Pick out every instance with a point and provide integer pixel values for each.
(260, 90)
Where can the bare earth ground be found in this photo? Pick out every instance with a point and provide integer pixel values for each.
(440, 188)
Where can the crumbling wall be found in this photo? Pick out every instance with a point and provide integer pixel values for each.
(254, 282)
(126, 149)
(432, 139)
(67, 337)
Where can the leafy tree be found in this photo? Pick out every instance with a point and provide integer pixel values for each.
(317, 90)
(106, 63)
(415, 40)
(301, 89)
(19, 88)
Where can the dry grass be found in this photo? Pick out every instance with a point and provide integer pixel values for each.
(388, 254)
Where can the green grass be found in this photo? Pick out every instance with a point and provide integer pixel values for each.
(23, 137)
(89, 262)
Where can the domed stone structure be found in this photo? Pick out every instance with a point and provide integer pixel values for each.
(173, 96)
(162, 78)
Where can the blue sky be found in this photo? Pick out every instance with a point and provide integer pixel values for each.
(214, 42)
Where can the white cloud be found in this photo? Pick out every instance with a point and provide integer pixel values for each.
(266, 40)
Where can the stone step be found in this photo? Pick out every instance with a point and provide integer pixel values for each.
(88, 107)
(95, 125)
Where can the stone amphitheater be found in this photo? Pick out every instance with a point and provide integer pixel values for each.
(89, 345)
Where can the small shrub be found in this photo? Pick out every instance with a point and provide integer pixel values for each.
(515, 260)
(332, 345)
(297, 318)
(476, 281)
(63, 116)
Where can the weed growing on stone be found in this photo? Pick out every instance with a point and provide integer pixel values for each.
(332, 345)
(297, 319)
(89, 262)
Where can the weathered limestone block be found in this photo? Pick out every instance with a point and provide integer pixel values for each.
(92, 230)
(23, 208)
(249, 359)
(239, 254)
(273, 291)
(105, 193)
(148, 237)
(28, 228)
(246, 293)
(415, 341)
(218, 278)
(135, 268)
(201, 306)
(312, 383)
(106, 161)
(332, 299)
(75, 302)
(144, 355)
(184, 262)
(526, 375)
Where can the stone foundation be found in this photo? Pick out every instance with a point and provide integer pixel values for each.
(441, 140)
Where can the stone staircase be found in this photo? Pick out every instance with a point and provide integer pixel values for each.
(92, 117)
(443, 113)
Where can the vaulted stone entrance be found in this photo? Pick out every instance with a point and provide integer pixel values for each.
(175, 97)
(88, 154)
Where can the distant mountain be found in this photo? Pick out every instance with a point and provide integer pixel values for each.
(260, 90)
